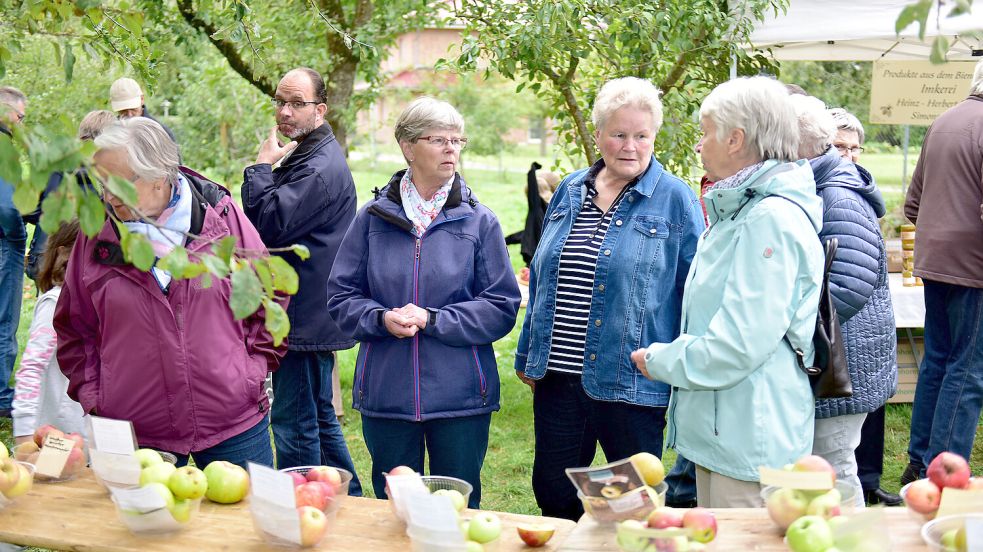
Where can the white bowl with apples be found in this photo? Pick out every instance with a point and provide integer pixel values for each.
(458, 490)
(668, 529)
(322, 487)
(786, 504)
(29, 452)
(314, 526)
(181, 489)
(947, 470)
(948, 534)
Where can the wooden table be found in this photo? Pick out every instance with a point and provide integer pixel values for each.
(78, 515)
(745, 529)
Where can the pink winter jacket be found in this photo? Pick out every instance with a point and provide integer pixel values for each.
(179, 366)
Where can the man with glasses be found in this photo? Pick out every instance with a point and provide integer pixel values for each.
(13, 238)
(302, 193)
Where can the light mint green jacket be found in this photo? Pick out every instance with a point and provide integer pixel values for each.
(739, 400)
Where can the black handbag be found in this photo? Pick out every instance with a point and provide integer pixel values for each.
(828, 375)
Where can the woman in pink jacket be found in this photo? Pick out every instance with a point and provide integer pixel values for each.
(165, 353)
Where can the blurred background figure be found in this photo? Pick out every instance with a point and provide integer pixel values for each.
(540, 185)
(126, 99)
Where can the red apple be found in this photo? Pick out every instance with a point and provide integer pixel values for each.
(79, 440)
(786, 505)
(42, 432)
(975, 484)
(326, 474)
(949, 470)
(701, 524)
(311, 494)
(826, 505)
(662, 518)
(75, 462)
(313, 525)
(923, 496)
(401, 470)
(535, 534)
(814, 463)
(298, 478)
(328, 489)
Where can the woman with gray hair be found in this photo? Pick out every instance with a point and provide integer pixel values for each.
(165, 353)
(740, 400)
(858, 285)
(423, 281)
(606, 278)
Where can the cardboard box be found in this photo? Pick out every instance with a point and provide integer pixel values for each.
(894, 257)
(908, 360)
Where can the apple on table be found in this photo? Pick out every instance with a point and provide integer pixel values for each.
(227, 482)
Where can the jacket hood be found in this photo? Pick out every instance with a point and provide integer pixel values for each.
(832, 170)
(793, 181)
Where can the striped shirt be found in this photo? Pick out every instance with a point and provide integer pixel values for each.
(575, 281)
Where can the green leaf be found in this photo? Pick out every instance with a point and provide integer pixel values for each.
(122, 188)
(10, 169)
(301, 251)
(215, 265)
(940, 46)
(277, 322)
(206, 280)
(917, 12)
(263, 273)
(25, 198)
(225, 249)
(69, 63)
(56, 208)
(91, 214)
(961, 7)
(176, 262)
(139, 252)
(247, 292)
(284, 276)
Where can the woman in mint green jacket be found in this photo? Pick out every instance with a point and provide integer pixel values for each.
(739, 400)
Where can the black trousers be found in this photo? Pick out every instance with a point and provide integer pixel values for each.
(870, 452)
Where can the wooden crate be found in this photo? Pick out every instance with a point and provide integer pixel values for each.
(908, 367)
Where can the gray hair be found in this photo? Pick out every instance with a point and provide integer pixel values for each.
(94, 122)
(425, 113)
(760, 107)
(847, 121)
(623, 92)
(151, 153)
(817, 129)
(976, 89)
(10, 96)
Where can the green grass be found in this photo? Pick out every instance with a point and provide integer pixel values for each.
(508, 465)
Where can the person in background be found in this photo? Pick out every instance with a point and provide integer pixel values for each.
(739, 399)
(540, 185)
(302, 192)
(606, 279)
(858, 285)
(165, 353)
(942, 201)
(41, 390)
(424, 282)
(126, 99)
(13, 238)
(870, 452)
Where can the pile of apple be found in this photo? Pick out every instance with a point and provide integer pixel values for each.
(180, 488)
(30, 450)
(946, 470)
(317, 487)
(15, 478)
(786, 505)
(700, 526)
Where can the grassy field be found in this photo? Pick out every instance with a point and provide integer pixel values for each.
(508, 466)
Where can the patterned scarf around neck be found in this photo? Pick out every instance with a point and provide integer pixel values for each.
(175, 220)
(737, 179)
(421, 212)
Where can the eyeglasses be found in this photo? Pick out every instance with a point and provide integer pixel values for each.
(844, 149)
(294, 105)
(441, 141)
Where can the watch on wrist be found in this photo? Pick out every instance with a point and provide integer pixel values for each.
(431, 316)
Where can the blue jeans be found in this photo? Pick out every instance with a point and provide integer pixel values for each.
(305, 428)
(252, 445)
(11, 289)
(949, 394)
(569, 425)
(456, 448)
(682, 483)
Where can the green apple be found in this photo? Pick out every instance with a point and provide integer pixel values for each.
(473, 546)
(457, 499)
(157, 473)
(313, 525)
(148, 457)
(786, 505)
(188, 482)
(826, 505)
(484, 527)
(631, 542)
(164, 493)
(809, 534)
(181, 511)
(227, 482)
(25, 480)
(10, 473)
(4, 453)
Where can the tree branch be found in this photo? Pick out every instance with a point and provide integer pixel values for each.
(682, 61)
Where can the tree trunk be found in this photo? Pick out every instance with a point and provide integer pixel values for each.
(586, 140)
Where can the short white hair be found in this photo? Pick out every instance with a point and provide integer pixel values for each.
(817, 129)
(150, 152)
(627, 92)
(760, 107)
(847, 121)
(976, 89)
(425, 113)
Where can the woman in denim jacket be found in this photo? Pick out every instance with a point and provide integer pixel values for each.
(606, 278)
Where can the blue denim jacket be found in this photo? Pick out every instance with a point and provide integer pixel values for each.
(638, 283)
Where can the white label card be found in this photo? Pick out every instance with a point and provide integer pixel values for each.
(54, 455)
(815, 481)
(141, 500)
(974, 534)
(114, 436)
(275, 520)
(272, 486)
(960, 501)
(115, 469)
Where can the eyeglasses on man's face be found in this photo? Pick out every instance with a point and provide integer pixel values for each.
(441, 141)
(294, 105)
(843, 148)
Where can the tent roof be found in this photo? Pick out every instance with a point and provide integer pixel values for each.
(861, 30)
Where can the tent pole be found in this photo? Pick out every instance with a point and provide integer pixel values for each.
(904, 160)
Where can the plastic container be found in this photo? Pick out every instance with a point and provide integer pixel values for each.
(311, 538)
(21, 487)
(106, 481)
(28, 452)
(437, 482)
(932, 531)
(634, 538)
(341, 489)
(848, 501)
(916, 515)
(605, 510)
(160, 521)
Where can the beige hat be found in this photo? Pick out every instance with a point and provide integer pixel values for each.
(125, 93)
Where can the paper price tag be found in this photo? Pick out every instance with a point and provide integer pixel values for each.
(960, 501)
(54, 455)
(115, 469)
(811, 481)
(113, 436)
(974, 534)
(142, 500)
(272, 486)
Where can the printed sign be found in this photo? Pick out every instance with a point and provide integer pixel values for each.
(916, 92)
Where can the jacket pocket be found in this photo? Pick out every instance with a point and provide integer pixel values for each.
(482, 382)
(361, 374)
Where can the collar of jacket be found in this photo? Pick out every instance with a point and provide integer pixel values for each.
(729, 201)
(389, 203)
(644, 184)
(309, 145)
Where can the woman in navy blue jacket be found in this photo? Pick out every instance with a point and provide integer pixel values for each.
(423, 281)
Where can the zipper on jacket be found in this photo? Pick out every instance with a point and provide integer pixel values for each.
(361, 377)
(715, 432)
(481, 376)
(416, 337)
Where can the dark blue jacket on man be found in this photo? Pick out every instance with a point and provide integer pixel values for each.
(460, 268)
(858, 282)
(308, 200)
